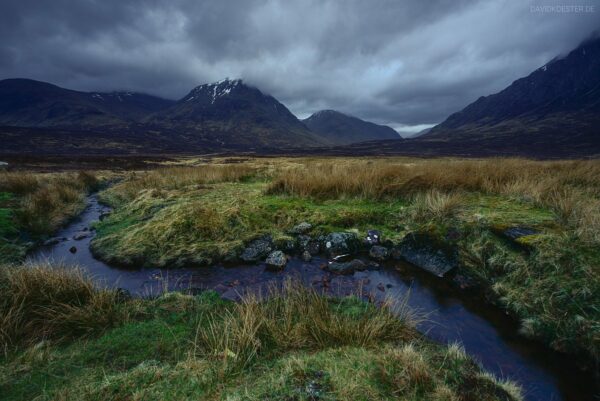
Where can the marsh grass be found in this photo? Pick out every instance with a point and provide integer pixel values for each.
(42, 302)
(434, 205)
(296, 317)
(46, 201)
(173, 178)
(570, 188)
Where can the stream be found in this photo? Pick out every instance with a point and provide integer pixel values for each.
(486, 333)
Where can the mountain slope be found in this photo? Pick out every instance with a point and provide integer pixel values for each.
(29, 103)
(235, 114)
(342, 129)
(557, 103)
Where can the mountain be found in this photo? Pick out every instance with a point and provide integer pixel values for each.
(236, 115)
(555, 105)
(342, 129)
(228, 115)
(29, 103)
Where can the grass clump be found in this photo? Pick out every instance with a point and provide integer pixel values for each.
(34, 205)
(296, 318)
(40, 302)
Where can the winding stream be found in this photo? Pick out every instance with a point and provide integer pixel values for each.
(486, 333)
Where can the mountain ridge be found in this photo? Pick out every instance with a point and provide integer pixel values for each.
(226, 115)
(343, 129)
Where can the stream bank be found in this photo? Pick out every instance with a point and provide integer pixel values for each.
(487, 333)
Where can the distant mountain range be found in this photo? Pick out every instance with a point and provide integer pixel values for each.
(342, 129)
(224, 116)
(28, 103)
(553, 112)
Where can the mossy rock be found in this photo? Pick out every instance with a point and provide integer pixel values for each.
(428, 252)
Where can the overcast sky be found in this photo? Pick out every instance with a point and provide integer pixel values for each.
(408, 64)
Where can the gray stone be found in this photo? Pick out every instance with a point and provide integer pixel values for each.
(306, 243)
(378, 252)
(257, 249)
(346, 267)
(277, 260)
(340, 243)
(303, 241)
(428, 253)
(301, 228)
(306, 256)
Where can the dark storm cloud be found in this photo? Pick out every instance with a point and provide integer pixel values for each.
(404, 63)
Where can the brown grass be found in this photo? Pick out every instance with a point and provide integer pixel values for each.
(39, 302)
(570, 188)
(179, 177)
(46, 201)
(395, 178)
(434, 205)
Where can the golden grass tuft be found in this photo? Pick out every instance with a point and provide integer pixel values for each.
(435, 205)
(40, 302)
(180, 177)
(46, 201)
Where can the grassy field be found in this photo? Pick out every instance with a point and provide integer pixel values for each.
(34, 205)
(65, 340)
(202, 213)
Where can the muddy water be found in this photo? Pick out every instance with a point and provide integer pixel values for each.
(486, 333)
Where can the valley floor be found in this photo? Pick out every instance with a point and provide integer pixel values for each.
(524, 233)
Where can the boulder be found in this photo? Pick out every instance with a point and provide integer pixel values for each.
(379, 252)
(306, 256)
(340, 243)
(301, 228)
(257, 249)
(72, 249)
(346, 267)
(427, 253)
(276, 260)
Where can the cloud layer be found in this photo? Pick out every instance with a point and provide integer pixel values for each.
(404, 63)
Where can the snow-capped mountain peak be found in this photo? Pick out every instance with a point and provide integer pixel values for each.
(215, 90)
